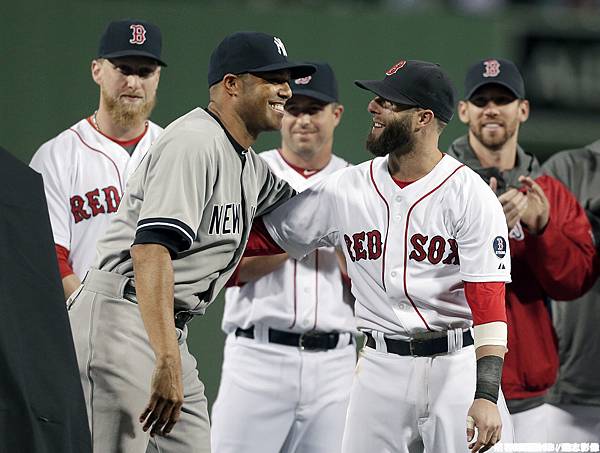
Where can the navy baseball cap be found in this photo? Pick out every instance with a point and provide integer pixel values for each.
(494, 70)
(322, 85)
(251, 52)
(417, 83)
(131, 38)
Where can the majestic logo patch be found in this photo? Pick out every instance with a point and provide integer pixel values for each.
(303, 80)
(138, 34)
(492, 68)
(280, 47)
(499, 247)
(394, 69)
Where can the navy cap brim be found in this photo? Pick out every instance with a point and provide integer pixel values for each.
(313, 94)
(133, 53)
(382, 89)
(494, 82)
(297, 71)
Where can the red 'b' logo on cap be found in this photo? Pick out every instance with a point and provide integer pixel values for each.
(138, 34)
(492, 68)
(394, 69)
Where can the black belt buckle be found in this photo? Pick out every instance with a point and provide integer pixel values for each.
(311, 340)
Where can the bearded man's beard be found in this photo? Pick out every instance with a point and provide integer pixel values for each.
(397, 137)
(126, 114)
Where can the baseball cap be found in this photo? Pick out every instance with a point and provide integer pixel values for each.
(131, 38)
(418, 83)
(494, 70)
(322, 85)
(251, 52)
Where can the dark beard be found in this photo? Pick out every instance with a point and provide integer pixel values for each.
(396, 137)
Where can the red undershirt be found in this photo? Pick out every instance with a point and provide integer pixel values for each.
(124, 143)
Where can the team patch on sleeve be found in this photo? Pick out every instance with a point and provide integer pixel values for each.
(499, 246)
(159, 223)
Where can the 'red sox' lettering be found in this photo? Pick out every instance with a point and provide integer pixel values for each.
(94, 203)
(364, 245)
(434, 249)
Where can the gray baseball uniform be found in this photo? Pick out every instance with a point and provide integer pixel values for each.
(196, 193)
(575, 412)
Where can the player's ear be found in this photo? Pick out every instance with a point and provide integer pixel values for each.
(232, 84)
(424, 118)
(96, 70)
(523, 110)
(338, 110)
(463, 113)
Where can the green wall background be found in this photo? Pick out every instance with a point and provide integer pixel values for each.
(45, 81)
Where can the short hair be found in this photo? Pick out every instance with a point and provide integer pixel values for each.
(440, 125)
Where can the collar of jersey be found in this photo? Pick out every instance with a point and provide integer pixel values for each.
(238, 148)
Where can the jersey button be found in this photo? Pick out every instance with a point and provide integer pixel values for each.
(398, 217)
(394, 273)
(398, 198)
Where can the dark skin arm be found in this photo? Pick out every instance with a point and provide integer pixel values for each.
(154, 289)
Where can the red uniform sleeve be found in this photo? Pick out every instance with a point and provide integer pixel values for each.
(562, 257)
(486, 300)
(62, 254)
(260, 242)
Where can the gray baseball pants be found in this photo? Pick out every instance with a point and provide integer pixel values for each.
(116, 363)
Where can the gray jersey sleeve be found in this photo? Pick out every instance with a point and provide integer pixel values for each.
(307, 221)
(177, 183)
(274, 191)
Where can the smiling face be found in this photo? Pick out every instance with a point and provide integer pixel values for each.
(493, 115)
(262, 99)
(127, 87)
(391, 129)
(308, 125)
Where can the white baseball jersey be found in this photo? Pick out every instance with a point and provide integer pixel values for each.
(408, 250)
(300, 295)
(85, 174)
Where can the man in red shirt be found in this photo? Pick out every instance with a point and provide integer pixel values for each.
(550, 236)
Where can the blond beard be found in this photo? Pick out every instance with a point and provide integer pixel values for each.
(126, 115)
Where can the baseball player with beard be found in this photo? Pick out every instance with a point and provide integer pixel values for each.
(86, 167)
(176, 239)
(289, 355)
(427, 250)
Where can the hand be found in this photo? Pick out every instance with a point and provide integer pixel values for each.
(514, 204)
(537, 213)
(166, 398)
(484, 416)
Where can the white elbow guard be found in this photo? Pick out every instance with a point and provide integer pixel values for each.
(491, 334)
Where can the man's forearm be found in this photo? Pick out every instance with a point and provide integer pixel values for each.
(70, 284)
(154, 282)
(255, 267)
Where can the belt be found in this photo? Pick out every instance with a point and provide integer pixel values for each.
(311, 340)
(422, 348)
(182, 317)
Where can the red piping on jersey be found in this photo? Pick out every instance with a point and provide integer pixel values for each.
(406, 241)
(387, 228)
(316, 286)
(123, 143)
(300, 170)
(105, 155)
(295, 295)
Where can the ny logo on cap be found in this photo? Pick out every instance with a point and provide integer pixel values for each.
(394, 69)
(492, 68)
(138, 34)
(280, 47)
(303, 80)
